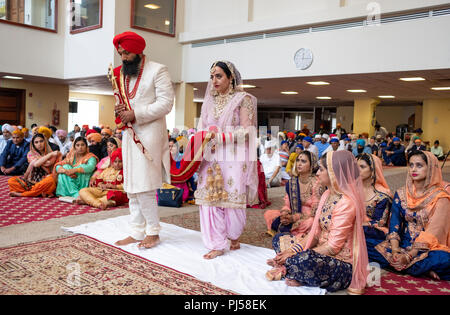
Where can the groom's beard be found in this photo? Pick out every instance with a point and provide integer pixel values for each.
(131, 68)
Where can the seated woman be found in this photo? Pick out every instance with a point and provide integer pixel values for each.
(303, 192)
(112, 144)
(334, 255)
(108, 190)
(37, 180)
(418, 239)
(378, 201)
(75, 171)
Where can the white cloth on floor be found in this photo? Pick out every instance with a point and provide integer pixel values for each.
(241, 271)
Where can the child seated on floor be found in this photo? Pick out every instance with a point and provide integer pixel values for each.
(109, 186)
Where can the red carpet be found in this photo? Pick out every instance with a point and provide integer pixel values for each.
(25, 210)
(395, 284)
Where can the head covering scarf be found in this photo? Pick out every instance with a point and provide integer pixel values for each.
(379, 182)
(117, 154)
(61, 133)
(7, 127)
(433, 189)
(131, 42)
(108, 131)
(361, 142)
(34, 155)
(94, 137)
(345, 179)
(18, 132)
(45, 131)
(70, 158)
(225, 121)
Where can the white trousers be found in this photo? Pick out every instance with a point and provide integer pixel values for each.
(144, 213)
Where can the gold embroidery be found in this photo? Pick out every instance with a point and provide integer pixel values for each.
(231, 182)
(248, 105)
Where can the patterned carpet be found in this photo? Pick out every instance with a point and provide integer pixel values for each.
(25, 210)
(396, 284)
(80, 265)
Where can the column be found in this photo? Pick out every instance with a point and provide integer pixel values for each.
(364, 116)
(435, 122)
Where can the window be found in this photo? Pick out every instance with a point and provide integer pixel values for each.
(87, 15)
(156, 16)
(37, 14)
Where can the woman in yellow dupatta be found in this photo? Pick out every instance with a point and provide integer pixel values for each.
(418, 242)
(76, 170)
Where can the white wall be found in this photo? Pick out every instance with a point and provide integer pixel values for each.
(33, 52)
(162, 49)
(399, 46)
(208, 19)
(89, 54)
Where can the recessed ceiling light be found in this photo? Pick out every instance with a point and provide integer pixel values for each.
(357, 91)
(444, 88)
(289, 93)
(167, 22)
(386, 96)
(195, 89)
(248, 86)
(318, 83)
(12, 77)
(413, 79)
(152, 6)
(323, 98)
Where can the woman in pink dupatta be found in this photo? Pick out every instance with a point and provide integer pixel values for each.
(228, 177)
(334, 255)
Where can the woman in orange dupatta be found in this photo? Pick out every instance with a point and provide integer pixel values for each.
(334, 255)
(378, 201)
(419, 233)
(38, 180)
(74, 173)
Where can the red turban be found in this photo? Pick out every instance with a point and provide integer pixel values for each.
(90, 131)
(117, 154)
(291, 135)
(131, 42)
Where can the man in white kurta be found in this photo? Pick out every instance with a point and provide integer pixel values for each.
(150, 94)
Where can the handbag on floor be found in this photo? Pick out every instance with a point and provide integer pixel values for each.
(170, 196)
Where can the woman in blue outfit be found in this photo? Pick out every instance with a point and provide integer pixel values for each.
(418, 239)
(378, 201)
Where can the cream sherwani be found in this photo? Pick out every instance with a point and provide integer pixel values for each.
(142, 177)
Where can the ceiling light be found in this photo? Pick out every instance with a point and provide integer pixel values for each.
(356, 91)
(323, 98)
(412, 79)
(248, 86)
(167, 22)
(289, 93)
(12, 77)
(195, 89)
(152, 6)
(318, 83)
(386, 96)
(444, 88)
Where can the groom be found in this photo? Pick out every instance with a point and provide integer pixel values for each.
(147, 90)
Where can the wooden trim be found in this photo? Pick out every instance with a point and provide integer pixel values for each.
(93, 27)
(133, 6)
(38, 28)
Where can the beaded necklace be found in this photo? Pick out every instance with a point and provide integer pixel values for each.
(132, 95)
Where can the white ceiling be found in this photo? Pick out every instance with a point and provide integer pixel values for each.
(268, 91)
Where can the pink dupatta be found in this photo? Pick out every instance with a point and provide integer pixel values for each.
(345, 179)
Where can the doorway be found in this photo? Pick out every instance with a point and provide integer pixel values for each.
(12, 106)
(83, 112)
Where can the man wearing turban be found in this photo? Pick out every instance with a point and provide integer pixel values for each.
(63, 142)
(148, 94)
(7, 131)
(13, 160)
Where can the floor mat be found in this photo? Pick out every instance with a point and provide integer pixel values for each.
(25, 210)
(80, 265)
(242, 271)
